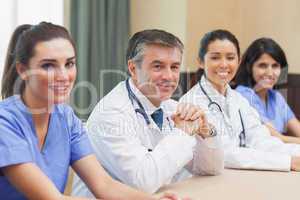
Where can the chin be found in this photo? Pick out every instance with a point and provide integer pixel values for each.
(165, 97)
(60, 99)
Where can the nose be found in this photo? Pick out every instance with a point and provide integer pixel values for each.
(224, 62)
(61, 73)
(168, 74)
(269, 70)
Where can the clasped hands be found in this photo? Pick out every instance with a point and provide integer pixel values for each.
(192, 120)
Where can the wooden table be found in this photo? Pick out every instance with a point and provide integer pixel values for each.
(240, 185)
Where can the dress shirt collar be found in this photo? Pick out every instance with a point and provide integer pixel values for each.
(148, 106)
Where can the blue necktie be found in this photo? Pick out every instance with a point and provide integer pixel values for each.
(157, 117)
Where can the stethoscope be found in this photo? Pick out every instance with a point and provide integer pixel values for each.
(212, 104)
(140, 110)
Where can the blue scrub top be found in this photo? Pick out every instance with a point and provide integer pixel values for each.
(276, 111)
(66, 142)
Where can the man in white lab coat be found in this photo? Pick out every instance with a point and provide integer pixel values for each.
(141, 136)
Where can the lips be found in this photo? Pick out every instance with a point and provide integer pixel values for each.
(267, 81)
(59, 88)
(223, 74)
(166, 86)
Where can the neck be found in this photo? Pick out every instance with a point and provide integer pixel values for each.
(149, 93)
(221, 88)
(35, 105)
(154, 101)
(262, 94)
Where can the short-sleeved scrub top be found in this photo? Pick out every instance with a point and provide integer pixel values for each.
(276, 111)
(65, 143)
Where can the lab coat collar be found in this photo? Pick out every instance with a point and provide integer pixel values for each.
(149, 107)
(212, 92)
(224, 101)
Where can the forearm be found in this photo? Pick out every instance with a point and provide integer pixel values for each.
(31, 182)
(208, 157)
(101, 184)
(290, 139)
(293, 127)
(284, 138)
(247, 158)
(168, 158)
(117, 190)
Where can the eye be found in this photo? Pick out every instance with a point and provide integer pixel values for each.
(231, 57)
(276, 66)
(70, 64)
(262, 65)
(157, 67)
(48, 66)
(175, 67)
(214, 57)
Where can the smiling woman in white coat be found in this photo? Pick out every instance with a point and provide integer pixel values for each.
(246, 141)
(141, 136)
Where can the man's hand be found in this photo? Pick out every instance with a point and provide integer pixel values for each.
(192, 120)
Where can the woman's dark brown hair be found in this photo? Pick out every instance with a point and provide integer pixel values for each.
(21, 49)
(255, 50)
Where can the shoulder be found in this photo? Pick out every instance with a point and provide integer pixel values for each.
(117, 98)
(277, 96)
(239, 98)
(190, 95)
(11, 109)
(195, 96)
(115, 104)
(14, 119)
(245, 91)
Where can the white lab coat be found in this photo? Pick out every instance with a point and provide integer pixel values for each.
(263, 152)
(144, 156)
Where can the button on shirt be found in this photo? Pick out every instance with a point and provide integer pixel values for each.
(141, 155)
(263, 150)
(276, 111)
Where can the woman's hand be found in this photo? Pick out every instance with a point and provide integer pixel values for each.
(172, 196)
(295, 163)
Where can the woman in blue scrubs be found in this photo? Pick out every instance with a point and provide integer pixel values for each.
(40, 136)
(260, 68)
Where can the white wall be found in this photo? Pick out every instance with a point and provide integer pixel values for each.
(16, 12)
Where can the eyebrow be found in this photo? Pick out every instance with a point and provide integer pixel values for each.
(54, 60)
(230, 53)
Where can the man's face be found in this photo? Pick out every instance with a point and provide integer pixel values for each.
(157, 76)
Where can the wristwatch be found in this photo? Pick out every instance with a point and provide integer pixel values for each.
(212, 131)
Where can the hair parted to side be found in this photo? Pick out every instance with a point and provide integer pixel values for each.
(256, 49)
(140, 40)
(21, 49)
(214, 35)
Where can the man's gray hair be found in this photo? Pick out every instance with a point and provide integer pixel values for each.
(139, 41)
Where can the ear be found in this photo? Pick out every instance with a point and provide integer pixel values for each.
(200, 63)
(22, 71)
(132, 68)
